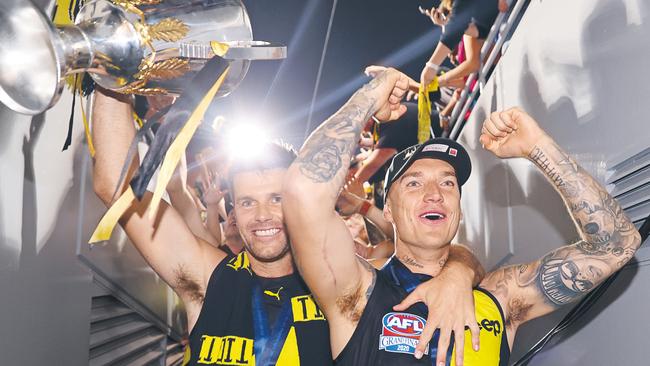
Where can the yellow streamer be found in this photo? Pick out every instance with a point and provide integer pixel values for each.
(89, 138)
(172, 157)
(62, 15)
(219, 48)
(112, 216)
(177, 148)
(138, 120)
(424, 110)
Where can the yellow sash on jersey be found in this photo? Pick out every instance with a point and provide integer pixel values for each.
(492, 334)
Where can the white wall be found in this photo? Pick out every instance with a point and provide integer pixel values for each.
(580, 68)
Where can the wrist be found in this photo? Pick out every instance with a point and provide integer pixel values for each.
(442, 80)
(543, 142)
(364, 207)
(432, 66)
(461, 273)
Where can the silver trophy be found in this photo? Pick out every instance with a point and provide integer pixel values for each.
(129, 46)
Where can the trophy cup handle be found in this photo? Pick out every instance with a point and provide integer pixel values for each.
(238, 50)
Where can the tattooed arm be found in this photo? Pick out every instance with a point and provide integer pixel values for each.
(322, 245)
(608, 237)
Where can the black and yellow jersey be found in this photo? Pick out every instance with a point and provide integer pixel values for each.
(228, 330)
(387, 337)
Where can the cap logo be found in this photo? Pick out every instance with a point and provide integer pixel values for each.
(453, 152)
(436, 147)
(410, 153)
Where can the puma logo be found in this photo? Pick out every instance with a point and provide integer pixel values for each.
(274, 294)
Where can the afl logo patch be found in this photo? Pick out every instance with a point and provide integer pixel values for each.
(400, 332)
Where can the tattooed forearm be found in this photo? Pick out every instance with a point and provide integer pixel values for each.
(542, 161)
(327, 149)
(603, 226)
(326, 154)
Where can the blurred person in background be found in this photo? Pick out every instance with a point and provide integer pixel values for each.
(473, 18)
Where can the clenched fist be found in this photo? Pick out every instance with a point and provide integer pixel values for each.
(388, 89)
(511, 133)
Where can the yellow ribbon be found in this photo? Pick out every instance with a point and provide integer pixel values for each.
(219, 48)
(63, 10)
(172, 157)
(177, 148)
(112, 216)
(89, 138)
(424, 110)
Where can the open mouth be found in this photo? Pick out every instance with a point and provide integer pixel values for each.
(433, 216)
(266, 232)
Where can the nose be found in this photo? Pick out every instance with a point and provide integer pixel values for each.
(263, 213)
(432, 193)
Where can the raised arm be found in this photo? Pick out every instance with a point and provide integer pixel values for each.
(471, 64)
(322, 245)
(608, 237)
(185, 205)
(183, 261)
(350, 204)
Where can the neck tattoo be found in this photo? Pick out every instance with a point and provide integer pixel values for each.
(442, 261)
(411, 261)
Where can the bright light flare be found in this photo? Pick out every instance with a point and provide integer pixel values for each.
(246, 141)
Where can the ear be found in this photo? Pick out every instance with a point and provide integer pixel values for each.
(388, 216)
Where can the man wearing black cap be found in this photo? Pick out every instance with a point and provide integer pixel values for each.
(423, 204)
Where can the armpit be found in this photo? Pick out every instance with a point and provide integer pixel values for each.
(189, 286)
(352, 304)
(518, 310)
(348, 304)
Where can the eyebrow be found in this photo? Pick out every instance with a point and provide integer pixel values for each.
(239, 199)
(418, 174)
(269, 195)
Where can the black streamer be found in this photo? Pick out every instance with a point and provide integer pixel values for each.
(175, 119)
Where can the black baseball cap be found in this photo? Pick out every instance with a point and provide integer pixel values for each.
(436, 148)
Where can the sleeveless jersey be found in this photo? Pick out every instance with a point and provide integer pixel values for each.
(225, 332)
(387, 337)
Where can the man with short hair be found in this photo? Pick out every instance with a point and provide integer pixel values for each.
(423, 204)
(248, 309)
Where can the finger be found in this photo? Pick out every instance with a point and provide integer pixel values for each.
(486, 141)
(400, 91)
(501, 124)
(487, 132)
(425, 337)
(459, 344)
(443, 344)
(476, 333)
(394, 99)
(493, 130)
(412, 298)
(398, 113)
(507, 119)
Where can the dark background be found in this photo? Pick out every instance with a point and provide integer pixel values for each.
(279, 93)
